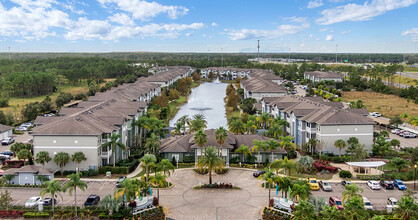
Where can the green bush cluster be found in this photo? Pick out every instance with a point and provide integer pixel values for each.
(405, 176)
(90, 172)
(345, 174)
(205, 171)
(114, 170)
(188, 159)
(36, 215)
(28, 186)
(113, 216)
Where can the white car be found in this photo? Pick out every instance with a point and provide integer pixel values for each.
(325, 185)
(367, 204)
(394, 131)
(376, 114)
(33, 201)
(373, 184)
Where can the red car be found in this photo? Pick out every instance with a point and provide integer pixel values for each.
(335, 201)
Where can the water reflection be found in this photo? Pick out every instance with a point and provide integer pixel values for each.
(207, 99)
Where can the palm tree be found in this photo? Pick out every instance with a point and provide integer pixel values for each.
(263, 119)
(340, 144)
(113, 143)
(61, 158)
(272, 145)
(24, 154)
(16, 147)
(319, 203)
(153, 144)
(74, 182)
(8, 177)
(211, 161)
(42, 157)
(184, 120)
(245, 151)
(236, 126)
(177, 128)
(251, 127)
(158, 180)
(395, 143)
(305, 162)
(52, 187)
(78, 157)
(286, 183)
(313, 143)
(200, 138)
(304, 210)
(165, 165)
(148, 159)
(127, 190)
(351, 191)
(354, 209)
(220, 135)
(42, 178)
(302, 192)
(276, 165)
(288, 165)
(331, 213)
(198, 122)
(268, 177)
(109, 203)
(286, 143)
(384, 133)
(258, 146)
(407, 208)
(352, 141)
(275, 131)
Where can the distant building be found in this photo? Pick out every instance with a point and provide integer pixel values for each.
(258, 88)
(318, 76)
(314, 118)
(5, 132)
(28, 175)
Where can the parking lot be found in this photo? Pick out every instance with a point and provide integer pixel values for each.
(102, 188)
(377, 197)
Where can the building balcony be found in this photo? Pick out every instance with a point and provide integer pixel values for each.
(106, 154)
(310, 130)
(105, 140)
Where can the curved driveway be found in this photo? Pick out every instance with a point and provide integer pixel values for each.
(184, 202)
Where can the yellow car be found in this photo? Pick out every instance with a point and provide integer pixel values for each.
(313, 183)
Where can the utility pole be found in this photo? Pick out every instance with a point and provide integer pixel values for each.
(258, 48)
(336, 49)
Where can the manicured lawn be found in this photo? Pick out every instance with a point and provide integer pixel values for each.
(230, 112)
(387, 105)
(174, 105)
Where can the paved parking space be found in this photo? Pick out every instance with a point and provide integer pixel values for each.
(377, 197)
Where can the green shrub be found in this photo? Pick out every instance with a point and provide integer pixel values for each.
(369, 177)
(107, 216)
(36, 215)
(114, 170)
(188, 159)
(345, 174)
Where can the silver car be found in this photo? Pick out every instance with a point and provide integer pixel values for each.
(325, 185)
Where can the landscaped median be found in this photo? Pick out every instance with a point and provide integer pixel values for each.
(217, 186)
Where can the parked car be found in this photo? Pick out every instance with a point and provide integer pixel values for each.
(345, 182)
(29, 141)
(376, 114)
(400, 132)
(393, 202)
(259, 173)
(313, 183)
(48, 202)
(7, 141)
(386, 184)
(409, 135)
(394, 131)
(120, 180)
(27, 124)
(367, 204)
(399, 184)
(22, 128)
(93, 199)
(373, 184)
(335, 201)
(4, 157)
(33, 201)
(325, 185)
(7, 152)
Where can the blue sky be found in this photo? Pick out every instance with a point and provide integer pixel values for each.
(357, 26)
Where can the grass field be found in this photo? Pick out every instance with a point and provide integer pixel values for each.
(404, 80)
(16, 104)
(387, 105)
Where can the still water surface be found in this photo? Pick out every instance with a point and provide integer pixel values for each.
(207, 99)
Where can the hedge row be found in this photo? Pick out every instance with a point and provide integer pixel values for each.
(369, 177)
(114, 170)
(36, 215)
(113, 216)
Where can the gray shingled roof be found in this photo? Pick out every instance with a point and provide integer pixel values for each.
(322, 74)
(4, 128)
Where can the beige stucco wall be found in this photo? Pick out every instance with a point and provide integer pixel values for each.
(89, 145)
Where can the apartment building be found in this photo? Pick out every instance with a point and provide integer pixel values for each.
(314, 118)
(258, 88)
(167, 76)
(87, 125)
(318, 76)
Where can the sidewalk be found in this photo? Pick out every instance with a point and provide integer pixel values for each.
(136, 171)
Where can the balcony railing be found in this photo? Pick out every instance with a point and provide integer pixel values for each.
(106, 154)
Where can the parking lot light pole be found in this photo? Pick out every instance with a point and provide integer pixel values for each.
(415, 175)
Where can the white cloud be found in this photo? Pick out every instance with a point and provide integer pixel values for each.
(282, 30)
(296, 19)
(103, 30)
(144, 10)
(31, 19)
(329, 38)
(345, 32)
(356, 12)
(413, 33)
(214, 24)
(323, 29)
(121, 19)
(188, 34)
(315, 4)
